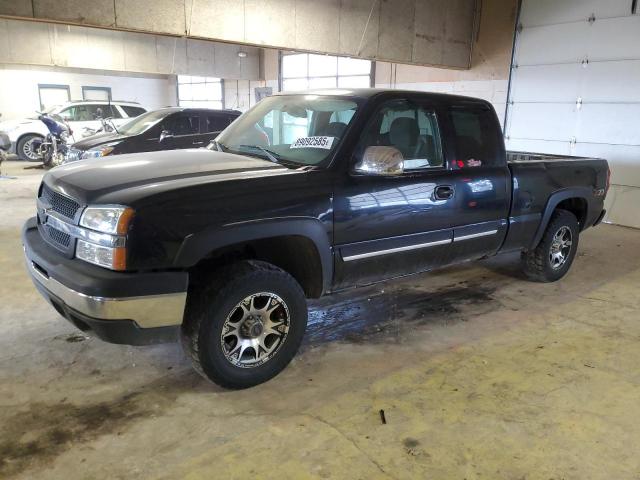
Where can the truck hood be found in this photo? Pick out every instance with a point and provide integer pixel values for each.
(124, 179)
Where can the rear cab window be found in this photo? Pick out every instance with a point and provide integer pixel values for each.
(476, 134)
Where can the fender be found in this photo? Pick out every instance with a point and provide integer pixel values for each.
(584, 193)
(198, 245)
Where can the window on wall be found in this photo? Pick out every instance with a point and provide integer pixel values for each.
(96, 93)
(53, 95)
(303, 71)
(202, 92)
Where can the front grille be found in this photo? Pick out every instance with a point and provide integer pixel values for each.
(59, 203)
(61, 238)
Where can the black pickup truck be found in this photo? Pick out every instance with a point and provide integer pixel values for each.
(303, 195)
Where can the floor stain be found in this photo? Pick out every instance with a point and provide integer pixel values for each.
(373, 313)
(53, 429)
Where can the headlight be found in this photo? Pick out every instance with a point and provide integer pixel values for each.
(111, 219)
(101, 151)
(103, 243)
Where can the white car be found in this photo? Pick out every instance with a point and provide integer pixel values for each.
(83, 118)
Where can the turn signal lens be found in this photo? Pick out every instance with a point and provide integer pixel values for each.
(114, 258)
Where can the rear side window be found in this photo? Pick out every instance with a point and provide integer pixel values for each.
(217, 123)
(477, 138)
(132, 111)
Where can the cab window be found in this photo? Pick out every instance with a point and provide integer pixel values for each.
(410, 128)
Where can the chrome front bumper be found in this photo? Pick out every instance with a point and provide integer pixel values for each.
(149, 311)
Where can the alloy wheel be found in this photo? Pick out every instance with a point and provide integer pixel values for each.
(255, 330)
(560, 247)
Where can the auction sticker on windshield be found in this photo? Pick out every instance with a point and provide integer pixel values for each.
(313, 142)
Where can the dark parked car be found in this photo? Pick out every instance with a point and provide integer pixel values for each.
(165, 129)
(348, 188)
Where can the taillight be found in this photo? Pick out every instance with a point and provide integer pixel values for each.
(608, 180)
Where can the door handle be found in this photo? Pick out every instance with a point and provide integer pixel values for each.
(443, 192)
(198, 143)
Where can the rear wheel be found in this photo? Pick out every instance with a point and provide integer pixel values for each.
(27, 148)
(245, 326)
(552, 258)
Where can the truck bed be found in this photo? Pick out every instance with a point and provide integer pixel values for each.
(541, 179)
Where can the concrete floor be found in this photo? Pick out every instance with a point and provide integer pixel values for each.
(480, 374)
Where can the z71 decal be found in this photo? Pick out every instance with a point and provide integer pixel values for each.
(313, 142)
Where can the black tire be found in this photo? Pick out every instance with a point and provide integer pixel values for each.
(21, 147)
(537, 264)
(209, 307)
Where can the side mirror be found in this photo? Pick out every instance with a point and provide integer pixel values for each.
(384, 161)
(164, 135)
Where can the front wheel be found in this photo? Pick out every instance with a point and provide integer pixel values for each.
(552, 258)
(245, 326)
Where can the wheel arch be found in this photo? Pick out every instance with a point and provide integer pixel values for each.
(575, 200)
(299, 246)
(25, 134)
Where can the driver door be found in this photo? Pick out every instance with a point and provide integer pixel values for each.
(388, 226)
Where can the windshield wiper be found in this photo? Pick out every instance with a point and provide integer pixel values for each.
(273, 156)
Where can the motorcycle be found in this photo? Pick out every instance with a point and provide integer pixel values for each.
(54, 147)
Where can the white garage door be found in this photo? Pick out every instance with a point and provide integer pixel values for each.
(575, 89)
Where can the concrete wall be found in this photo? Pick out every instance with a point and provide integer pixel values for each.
(35, 43)
(488, 76)
(435, 32)
(19, 87)
(240, 94)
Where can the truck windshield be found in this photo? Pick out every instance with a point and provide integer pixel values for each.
(300, 129)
